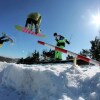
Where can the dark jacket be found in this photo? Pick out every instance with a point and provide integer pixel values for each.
(61, 40)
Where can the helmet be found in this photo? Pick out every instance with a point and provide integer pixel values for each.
(55, 34)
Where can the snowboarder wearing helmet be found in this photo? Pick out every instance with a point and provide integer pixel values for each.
(61, 44)
(34, 19)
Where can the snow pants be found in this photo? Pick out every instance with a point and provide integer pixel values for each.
(30, 24)
(58, 54)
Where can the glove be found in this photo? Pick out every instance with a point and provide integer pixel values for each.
(67, 42)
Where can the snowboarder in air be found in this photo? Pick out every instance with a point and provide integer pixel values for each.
(4, 38)
(33, 19)
(61, 44)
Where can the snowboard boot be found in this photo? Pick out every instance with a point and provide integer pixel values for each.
(10, 39)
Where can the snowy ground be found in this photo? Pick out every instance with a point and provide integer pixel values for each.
(49, 82)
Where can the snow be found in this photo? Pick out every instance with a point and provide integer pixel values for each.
(49, 82)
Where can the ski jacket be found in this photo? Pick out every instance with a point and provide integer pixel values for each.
(61, 40)
(60, 37)
(35, 16)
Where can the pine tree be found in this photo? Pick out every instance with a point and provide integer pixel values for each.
(21, 60)
(95, 49)
(48, 55)
(35, 57)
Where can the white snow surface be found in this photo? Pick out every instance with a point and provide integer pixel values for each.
(49, 82)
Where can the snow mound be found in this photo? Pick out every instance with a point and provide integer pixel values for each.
(50, 82)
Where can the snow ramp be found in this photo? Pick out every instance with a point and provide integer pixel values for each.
(52, 82)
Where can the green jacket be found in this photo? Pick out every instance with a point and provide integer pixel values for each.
(35, 16)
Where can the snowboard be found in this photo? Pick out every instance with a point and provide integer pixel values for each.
(25, 30)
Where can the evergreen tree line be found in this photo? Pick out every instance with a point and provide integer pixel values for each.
(37, 57)
(93, 53)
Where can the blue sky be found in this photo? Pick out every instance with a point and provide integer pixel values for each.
(66, 17)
